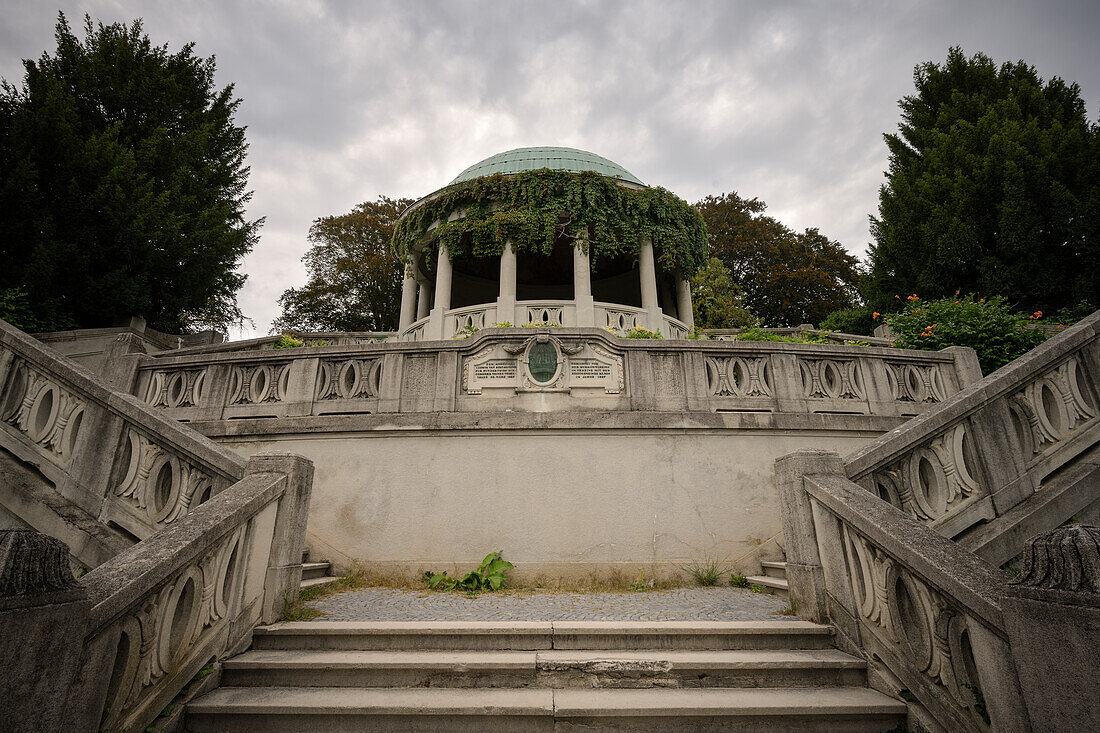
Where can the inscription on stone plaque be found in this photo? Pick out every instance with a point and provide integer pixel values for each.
(589, 369)
(495, 369)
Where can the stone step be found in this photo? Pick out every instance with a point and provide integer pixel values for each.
(550, 668)
(284, 709)
(315, 570)
(774, 569)
(776, 586)
(533, 635)
(317, 581)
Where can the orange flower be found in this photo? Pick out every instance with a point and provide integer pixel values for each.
(913, 297)
(1036, 315)
(874, 315)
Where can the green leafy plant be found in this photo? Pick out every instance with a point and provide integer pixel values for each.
(465, 332)
(528, 209)
(758, 588)
(988, 326)
(759, 334)
(502, 324)
(857, 321)
(488, 576)
(286, 341)
(540, 324)
(737, 580)
(641, 584)
(637, 332)
(787, 610)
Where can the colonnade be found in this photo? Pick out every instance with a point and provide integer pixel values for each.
(416, 292)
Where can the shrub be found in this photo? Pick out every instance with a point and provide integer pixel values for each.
(759, 334)
(642, 333)
(850, 320)
(988, 326)
(286, 341)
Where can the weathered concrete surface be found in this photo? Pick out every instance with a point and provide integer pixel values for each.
(41, 608)
(554, 500)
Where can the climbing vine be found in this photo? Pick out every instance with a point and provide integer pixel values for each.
(532, 209)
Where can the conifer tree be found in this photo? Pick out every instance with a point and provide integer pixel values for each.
(122, 185)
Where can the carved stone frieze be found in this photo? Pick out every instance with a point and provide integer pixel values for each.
(920, 383)
(348, 379)
(738, 376)
(46, 412)
(175, 387)
(542, 363)
(932, 479)
(838, 379)
(160, 484)
(254, 384)
(1052, 406)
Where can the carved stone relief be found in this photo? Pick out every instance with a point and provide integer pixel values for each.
(542, 363)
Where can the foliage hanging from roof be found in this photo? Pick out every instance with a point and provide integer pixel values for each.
(532, 209)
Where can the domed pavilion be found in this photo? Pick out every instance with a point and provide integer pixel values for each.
(549, 236)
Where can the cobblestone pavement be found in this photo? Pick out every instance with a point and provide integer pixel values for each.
(679, 604)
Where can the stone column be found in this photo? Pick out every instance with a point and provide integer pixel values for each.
(424, 300)
(683, 302)
(647, 272)
(437, 325)
(408, 299)
(506, 297)
(582, 284)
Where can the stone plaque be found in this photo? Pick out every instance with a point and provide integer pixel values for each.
(542, 361)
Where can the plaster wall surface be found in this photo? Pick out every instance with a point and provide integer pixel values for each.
(563, 503)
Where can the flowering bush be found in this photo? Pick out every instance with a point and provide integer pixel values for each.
(988, 326)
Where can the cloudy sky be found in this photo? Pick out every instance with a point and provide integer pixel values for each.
(787, 102)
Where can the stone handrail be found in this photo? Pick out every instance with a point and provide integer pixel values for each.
(599, 371)
(731, 334)
(987, 449)
(960, 640)
(188, 595)
(107, 454)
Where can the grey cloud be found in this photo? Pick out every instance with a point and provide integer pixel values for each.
(787, 102)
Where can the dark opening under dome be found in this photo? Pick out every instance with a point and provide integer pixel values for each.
(558, 159)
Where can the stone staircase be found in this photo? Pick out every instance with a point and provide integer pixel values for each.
(774, 578)
(316, 572)
(541, 676)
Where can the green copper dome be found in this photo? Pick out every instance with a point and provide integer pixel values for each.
(559, 159)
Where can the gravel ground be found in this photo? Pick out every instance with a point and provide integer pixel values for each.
(679, 604)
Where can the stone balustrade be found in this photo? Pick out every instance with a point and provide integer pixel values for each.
(898, 545)
(107, 459)
(988, 449)
(591, 369)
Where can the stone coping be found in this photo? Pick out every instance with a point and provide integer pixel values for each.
(574, 420)
(978, 586)
(130, 576)
(89, 386)
(205, 355)
(1000, 383)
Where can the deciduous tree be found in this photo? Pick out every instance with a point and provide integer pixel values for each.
(354, 275)
(787, 277)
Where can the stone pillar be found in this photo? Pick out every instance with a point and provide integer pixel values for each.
(683, 302)
(647, 272)
(44, 615)
(408, 299)
(506, 297)
(437, 325)
(424, 301)
(1052, 616)
(582, 284)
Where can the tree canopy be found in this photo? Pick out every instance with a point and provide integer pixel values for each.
(993, 187)
(787, 277)
(354, 274)
(122, 185)
(716, 299)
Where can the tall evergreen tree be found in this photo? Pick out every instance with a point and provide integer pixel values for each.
(993, 188)
(122, 184)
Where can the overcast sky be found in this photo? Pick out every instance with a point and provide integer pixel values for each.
(787, 102)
